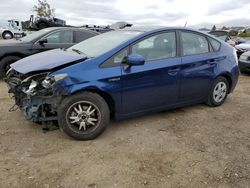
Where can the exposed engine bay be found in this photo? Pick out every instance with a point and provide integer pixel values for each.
(34, 95)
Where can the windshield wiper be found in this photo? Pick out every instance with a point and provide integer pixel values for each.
(79, 52)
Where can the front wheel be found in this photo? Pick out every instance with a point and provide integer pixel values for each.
(7, 35)
(83, 116)
(5, 64)
(219, 92)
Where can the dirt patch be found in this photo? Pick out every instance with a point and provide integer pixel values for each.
(196, 146)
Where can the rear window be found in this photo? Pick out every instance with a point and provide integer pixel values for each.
(215, 44)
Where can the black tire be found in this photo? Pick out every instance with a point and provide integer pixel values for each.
(5, 63)
(42, 25)
(215, 99)
(6, 34)
(67, 108)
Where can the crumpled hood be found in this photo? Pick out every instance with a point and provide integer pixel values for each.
(46, 61)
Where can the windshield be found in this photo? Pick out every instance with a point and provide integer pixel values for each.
(35, 35)
(100, 44)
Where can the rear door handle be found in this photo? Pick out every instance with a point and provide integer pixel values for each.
(215, 60)
(173, 71)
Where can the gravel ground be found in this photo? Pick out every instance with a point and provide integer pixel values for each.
(196, 146)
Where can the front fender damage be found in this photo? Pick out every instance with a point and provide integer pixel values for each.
(38, 104)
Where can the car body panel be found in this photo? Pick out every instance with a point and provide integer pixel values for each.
(54, 58)
(156, 85)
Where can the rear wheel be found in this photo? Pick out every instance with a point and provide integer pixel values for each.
(5, 64)
(83, 116)
(219, 92)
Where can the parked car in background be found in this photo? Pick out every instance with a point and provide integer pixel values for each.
(46, 39)
(244, 62)
(243, 47)
(11, 28)
(122, 73)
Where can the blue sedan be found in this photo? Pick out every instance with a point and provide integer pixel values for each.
(122, 74)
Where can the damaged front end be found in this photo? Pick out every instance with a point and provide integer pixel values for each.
(36, 95)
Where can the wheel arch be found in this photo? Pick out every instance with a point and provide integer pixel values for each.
(18, 54)
(7, 31)
(106, 96)
(229, 79)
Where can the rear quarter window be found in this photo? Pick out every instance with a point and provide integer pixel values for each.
(215, 44)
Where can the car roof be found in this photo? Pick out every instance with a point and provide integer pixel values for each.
(49, 29)
(155, 28)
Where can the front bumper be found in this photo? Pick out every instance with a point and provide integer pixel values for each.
(244, 65)
(41, 108)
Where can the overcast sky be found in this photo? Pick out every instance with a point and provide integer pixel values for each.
(139, 12)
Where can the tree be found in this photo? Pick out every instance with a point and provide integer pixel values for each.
(214, 28)
(43, 9)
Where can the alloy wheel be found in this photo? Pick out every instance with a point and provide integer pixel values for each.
(220, 92)
(83, 117)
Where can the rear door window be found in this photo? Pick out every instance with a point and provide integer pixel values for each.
(193, 43)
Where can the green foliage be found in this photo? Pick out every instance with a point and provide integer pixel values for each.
(233, 33)
(43, 9)
(244, 35)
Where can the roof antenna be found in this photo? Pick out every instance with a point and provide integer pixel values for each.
(185, 24)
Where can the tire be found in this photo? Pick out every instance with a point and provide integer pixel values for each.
(42, 25)
(7, 35)
(219, 92)
(5, 63)
(78, 121)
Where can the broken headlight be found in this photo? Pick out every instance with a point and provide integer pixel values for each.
(52, 79)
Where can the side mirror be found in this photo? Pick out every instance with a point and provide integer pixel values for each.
(42, 41)
(135, 60)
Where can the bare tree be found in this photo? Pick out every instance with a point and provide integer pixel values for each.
(43, 9)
